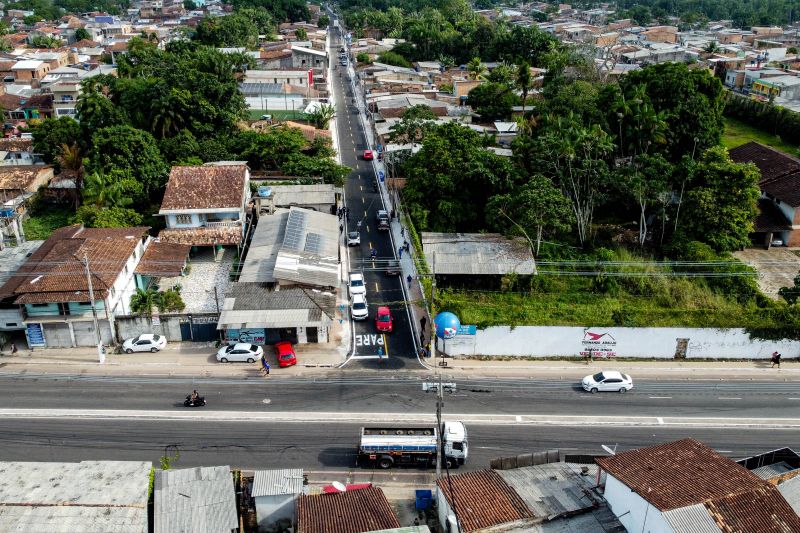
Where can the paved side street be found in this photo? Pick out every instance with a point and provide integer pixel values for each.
(198, 360)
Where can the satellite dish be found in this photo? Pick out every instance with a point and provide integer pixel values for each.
(609, 450)
(339, 486)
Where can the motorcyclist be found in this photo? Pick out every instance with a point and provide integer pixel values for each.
(194, 397)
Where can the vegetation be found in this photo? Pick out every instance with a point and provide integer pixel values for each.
(742, 13)
(43, 222)
(767, 118)
(738, 133)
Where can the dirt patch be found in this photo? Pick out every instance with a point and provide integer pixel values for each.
(776, 267)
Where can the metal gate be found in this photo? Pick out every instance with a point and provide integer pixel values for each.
(57, 336)
(199, 332)
(84, 333)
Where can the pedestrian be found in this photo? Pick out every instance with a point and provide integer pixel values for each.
(400, 252)
(341, 228)
(408, 279)
(402, 231)
(13, 348)
(407, 246)
(776, 359)
(423, 322)
(393, 213)
(264, 366)
(422, 337)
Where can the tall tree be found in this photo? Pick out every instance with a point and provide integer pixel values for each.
(524, 81)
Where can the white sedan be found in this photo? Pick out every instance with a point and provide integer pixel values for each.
(358, 308)
(240, 352)
(356, 285)
(608, 380)
(147, 342)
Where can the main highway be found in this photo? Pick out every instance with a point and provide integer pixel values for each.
(314, 424)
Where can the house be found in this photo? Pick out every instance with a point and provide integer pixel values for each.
(292, 76)
(315, 197)
(12, 258)
(206, 205)
(667, 486)
(65, 97)
(53, 287)
(15, 152)
(779, 206)
(275, 493)
(30, 71)
(306, 58)
(463, 258)
(787, 87)
(90, 496)
(22, 180)
(355, 511)
(161, 260)
(197, 500)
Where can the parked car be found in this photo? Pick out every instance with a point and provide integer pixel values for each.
(382, 218)
(240, 352)
(353, 238)
(358, 308)
(777, 242)
(356, 285)
(369, 155)
(608, 380)
(284, 353)
(146, 342)
(383, 320)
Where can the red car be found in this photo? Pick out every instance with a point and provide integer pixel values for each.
(369, 155)
(284, 353)
(383, 320)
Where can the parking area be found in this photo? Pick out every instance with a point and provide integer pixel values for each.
(777, 267)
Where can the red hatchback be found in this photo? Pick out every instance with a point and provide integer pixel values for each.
(369, 155)
(383, 320)
(284, 353)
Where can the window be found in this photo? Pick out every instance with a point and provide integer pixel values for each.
(11, 324)
(40, 305)
(125, 270)
(183, 219)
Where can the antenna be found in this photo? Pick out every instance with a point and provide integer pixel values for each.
(609, 450)
(339, 486)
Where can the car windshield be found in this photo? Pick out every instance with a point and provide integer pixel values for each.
(356, 283)
(229, 349)
(359, 305)
(286, 356)
(353, 234)
(384, 318)
(598, 377)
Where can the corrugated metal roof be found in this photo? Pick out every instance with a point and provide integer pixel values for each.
(275, 482)
(691, 519)
(775, 469)
(790, 489)
(195, 500)
(310, 250)
(252, 305)
(477, 254)
(554, 489)
(259, 265)
(304, 195)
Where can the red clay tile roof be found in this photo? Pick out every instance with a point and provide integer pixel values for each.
(85, 43)
(202, 236)
(205, 187)
(763, 510)
(17, 177)
(55, 272)
(780, 172)
(15, 144)
(680, 473)
(40, 101)
(10, 102)
(483, 499)
(346, 512)
(162, 259)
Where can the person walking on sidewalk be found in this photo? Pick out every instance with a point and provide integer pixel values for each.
(407, 246)
(409, 279)
(776, 359)
(13, 348)
(400, 252)
(264, 366)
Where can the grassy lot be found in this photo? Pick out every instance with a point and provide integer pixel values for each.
(738, 133)
(41, 225)
(277, 116)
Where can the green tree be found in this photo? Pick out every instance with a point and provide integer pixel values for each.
(95, 111)
(321, 117)
(189, 5)
(179, 147)
(169, 112)
(363, 57)
(92, 216)
(492, 101)
(323, 21)
(414, 124)
(720, 203)
(301, 34)
(392, 58)
(229, 31)
(524, 81)
(531, 209)
(476, 68)
(791, 294)
(143, 301)
(170, 301)
(51, 134)
(106, 190)
(329, 170)
(646, 180)
(71, 163)
(45, 41)
(131, 150)
(270, 149)
(82, 35)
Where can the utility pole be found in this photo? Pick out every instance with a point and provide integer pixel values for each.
(439, 396)
(101, 356)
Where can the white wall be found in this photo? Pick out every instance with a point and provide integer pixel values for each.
(271, 509)
(124, 286)
(659, 343)
(633, 511)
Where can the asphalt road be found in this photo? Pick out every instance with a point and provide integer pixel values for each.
(364, 202)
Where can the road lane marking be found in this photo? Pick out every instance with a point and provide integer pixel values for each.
(519, 418)
(794, 398)
(728, 398)
(660, 397)
(377, 289)
(660, 421)
(385, 344)
(365, 213)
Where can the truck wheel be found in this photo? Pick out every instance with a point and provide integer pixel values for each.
(385, 462)
(452, 464)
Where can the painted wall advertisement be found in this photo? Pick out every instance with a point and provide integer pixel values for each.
(251, 335)
(598, 344)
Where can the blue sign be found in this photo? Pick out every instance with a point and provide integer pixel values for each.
(381, 175)
(467, 330)
(380, 148)
(447, 325)
(35, 335)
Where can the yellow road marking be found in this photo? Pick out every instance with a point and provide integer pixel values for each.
(385, 344)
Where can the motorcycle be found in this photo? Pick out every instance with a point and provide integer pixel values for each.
(200, 402)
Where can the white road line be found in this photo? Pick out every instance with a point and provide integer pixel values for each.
(660, 397)
(794, 398)
(519, 418)
(728, 398)
(660, 421)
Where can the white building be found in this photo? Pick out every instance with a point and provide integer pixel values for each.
(275, 493)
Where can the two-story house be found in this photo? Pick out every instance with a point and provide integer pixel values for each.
(52, 287)
(15, 151)
(65, 97)
(206, 205)
(30, 71)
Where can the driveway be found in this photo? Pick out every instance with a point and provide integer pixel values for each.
(776, 268)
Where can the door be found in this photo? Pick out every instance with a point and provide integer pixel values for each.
(611, 384)
(289, 334)
(57, 336)
(204, 332)
(311, 335)
(186, 331)
(680, 348)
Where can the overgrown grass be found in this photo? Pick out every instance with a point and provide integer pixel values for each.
(45, 222)
(738, 133)
(643, 301)
(278, 115)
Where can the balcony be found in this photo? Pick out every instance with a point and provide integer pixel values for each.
(222, 224)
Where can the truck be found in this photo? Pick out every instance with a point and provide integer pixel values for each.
(382, 218)
(385, 447)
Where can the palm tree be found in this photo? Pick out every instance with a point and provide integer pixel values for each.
(142, 301)
(70, 160)
(712, 47)
(168, 113)
(476, 68)
(102, 190)
(524, 82)
(321, 116)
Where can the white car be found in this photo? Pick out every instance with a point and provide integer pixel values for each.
(353, 238)
(358, 308)
(240, 352)
(356, 285)
(608, 380)
(147, 342)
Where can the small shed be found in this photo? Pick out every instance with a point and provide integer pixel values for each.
(275, 492)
